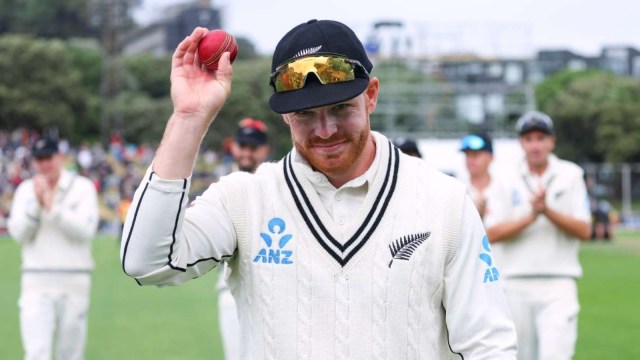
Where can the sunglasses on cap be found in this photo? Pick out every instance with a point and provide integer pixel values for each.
(329, 69)
(473, 142)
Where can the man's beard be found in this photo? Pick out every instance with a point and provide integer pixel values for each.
(247, 166)
(338, 161)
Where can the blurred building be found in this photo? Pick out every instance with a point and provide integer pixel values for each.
(466, 92)
(550, 62)
(162, 37)
(621, 60)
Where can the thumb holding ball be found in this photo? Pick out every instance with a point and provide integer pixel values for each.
(197, 91)
(213, 45)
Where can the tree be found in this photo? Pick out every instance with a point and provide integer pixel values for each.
(148, 74)
(246, 49)
(7, 14)
(596, 115)
(86, 59)
(619, 134)
(38, 86)
(146, 111)
(145, 117)
(48, 19)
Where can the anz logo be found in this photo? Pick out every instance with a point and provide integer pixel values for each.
(275, 242)
(516, 199)
(491, 274)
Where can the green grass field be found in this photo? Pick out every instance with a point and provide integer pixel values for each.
(132, 322)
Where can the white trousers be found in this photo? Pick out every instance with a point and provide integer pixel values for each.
(53, 311)
(545, 312)
(228, 319)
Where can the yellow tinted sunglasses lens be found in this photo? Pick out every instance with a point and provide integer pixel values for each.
(328, 69)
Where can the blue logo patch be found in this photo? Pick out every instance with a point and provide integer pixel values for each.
(491, 274)
(274, 252)
(516, 200)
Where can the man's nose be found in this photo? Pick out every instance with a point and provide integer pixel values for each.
(326, 126)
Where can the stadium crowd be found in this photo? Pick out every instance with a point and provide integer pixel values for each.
(116, 171)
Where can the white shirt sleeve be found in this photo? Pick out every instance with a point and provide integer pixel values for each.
(166, 241)
(477, 315)
(499, 201)
(24, 217)
(580, 208)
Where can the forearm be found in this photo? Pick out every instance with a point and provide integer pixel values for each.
(163, 242)
(150, 225)
(570, 225)
(508, 230)
(197, 96)
(179, 147)
(25, 214)
(23, 228)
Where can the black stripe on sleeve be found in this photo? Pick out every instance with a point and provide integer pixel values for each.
(133, 223)
(175, 229)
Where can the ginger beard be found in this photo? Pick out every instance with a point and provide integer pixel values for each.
(338, 161)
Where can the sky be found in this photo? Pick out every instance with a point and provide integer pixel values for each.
(507, 28)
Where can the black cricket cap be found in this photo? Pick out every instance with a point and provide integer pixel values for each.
(251, 132)
(476, 142)
(407, 145)
(44, 147)
(534, 121)
(319, 37)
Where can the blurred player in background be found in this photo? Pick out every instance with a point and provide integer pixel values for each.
(250, 146)
(249, 149)
(408, 146)
(478, 151)
(536, 222)
(54, 216)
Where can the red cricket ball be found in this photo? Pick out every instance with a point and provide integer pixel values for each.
(213, 45)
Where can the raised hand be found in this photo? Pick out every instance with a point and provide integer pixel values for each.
(198, 93)
(538, 202)
(44, 193)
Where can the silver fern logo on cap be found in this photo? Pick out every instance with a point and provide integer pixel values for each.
(403, 248)
(309, 51)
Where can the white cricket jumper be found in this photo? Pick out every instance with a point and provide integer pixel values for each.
(60, 239)
(542, 249)
(402, 279)
(56, 266)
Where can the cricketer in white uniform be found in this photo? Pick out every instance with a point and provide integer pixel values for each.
(250, 148)
(536, 221)
(478, 152)
(343, 249)
(54, 216)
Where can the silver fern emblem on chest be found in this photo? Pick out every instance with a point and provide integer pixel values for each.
(403, 248)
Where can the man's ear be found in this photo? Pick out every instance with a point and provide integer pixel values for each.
(372, 94)
(285, 117)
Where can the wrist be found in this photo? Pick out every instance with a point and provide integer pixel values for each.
(194, 124)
